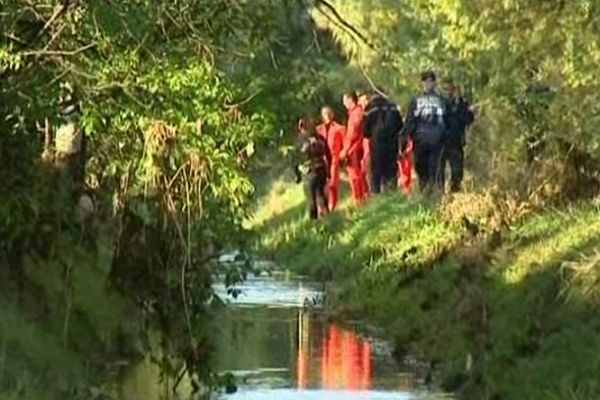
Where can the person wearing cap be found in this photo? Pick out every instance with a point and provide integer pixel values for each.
(462, 117)
(382, 126)
(427, 123)
(333, 133)
(353, 147)
(313, 167)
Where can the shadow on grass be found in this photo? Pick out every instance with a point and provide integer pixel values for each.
(543, 331)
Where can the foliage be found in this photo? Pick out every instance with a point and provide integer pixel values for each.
(529, 66)
(177, 99)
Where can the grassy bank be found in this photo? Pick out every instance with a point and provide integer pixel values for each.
(510, 315)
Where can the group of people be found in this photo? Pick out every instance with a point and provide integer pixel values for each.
(377, 145)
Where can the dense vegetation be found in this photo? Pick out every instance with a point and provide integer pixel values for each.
(529, 65)
(178, 100)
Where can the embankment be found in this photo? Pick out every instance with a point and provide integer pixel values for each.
(508, 314)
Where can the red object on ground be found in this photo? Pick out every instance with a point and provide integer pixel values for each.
(353, 148)
(334, 135)
(405, 168)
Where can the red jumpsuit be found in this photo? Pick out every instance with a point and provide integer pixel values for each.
(353, 148)
(405, 167)
(334, 134)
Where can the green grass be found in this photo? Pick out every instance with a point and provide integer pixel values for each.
(525, 312)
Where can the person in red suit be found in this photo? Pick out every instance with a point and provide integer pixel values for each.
(353, 147)
(363, 102)
(333, 133)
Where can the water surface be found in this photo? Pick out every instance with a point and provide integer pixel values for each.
(279, 349)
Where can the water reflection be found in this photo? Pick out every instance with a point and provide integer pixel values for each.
(345, 359)
(291, 348)
(279, 351)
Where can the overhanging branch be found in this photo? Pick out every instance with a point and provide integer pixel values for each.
(351, 29)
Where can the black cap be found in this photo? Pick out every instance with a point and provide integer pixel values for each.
(429, 74)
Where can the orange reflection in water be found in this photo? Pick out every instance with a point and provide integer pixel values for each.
(345, 361)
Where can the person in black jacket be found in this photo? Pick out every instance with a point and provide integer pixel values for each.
(313, 164)
(461, 117)
(382, 126)
(427, 122)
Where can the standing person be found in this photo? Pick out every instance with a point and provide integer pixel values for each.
(314, 166)
(363, 102)
(353, 147)
(462, 117)
(333, 133)
(382, 126)
(427, 124)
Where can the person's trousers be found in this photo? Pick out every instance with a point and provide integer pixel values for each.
(428, 165)
(366, 166)
(454, 155)
(314, 190)
(356, 178)
(333, 190)
(384, 173)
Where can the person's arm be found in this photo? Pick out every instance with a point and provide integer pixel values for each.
(409, 127)
(338, 144)
(301, 148)
(397, 121)
(369, 120)
(467, 114)
(447, 113)
(328, 157)
(355, 139)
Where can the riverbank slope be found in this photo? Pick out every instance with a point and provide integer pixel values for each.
(503, 311)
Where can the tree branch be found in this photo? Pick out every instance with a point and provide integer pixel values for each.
(59, 12)
(245, 101)
(348, 27)
(36, 53)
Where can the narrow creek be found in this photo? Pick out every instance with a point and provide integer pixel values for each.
(279, 349)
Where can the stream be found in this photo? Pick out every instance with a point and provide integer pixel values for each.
(278, 350)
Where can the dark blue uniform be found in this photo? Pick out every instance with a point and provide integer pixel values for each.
(428, 122)
(382, 125)
(460, 118)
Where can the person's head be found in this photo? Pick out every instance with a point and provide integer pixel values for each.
(362, 97)
(449, 87)
(306, 126)
(380, 90)
(327, 114)
(429, 80)
(350, 99)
